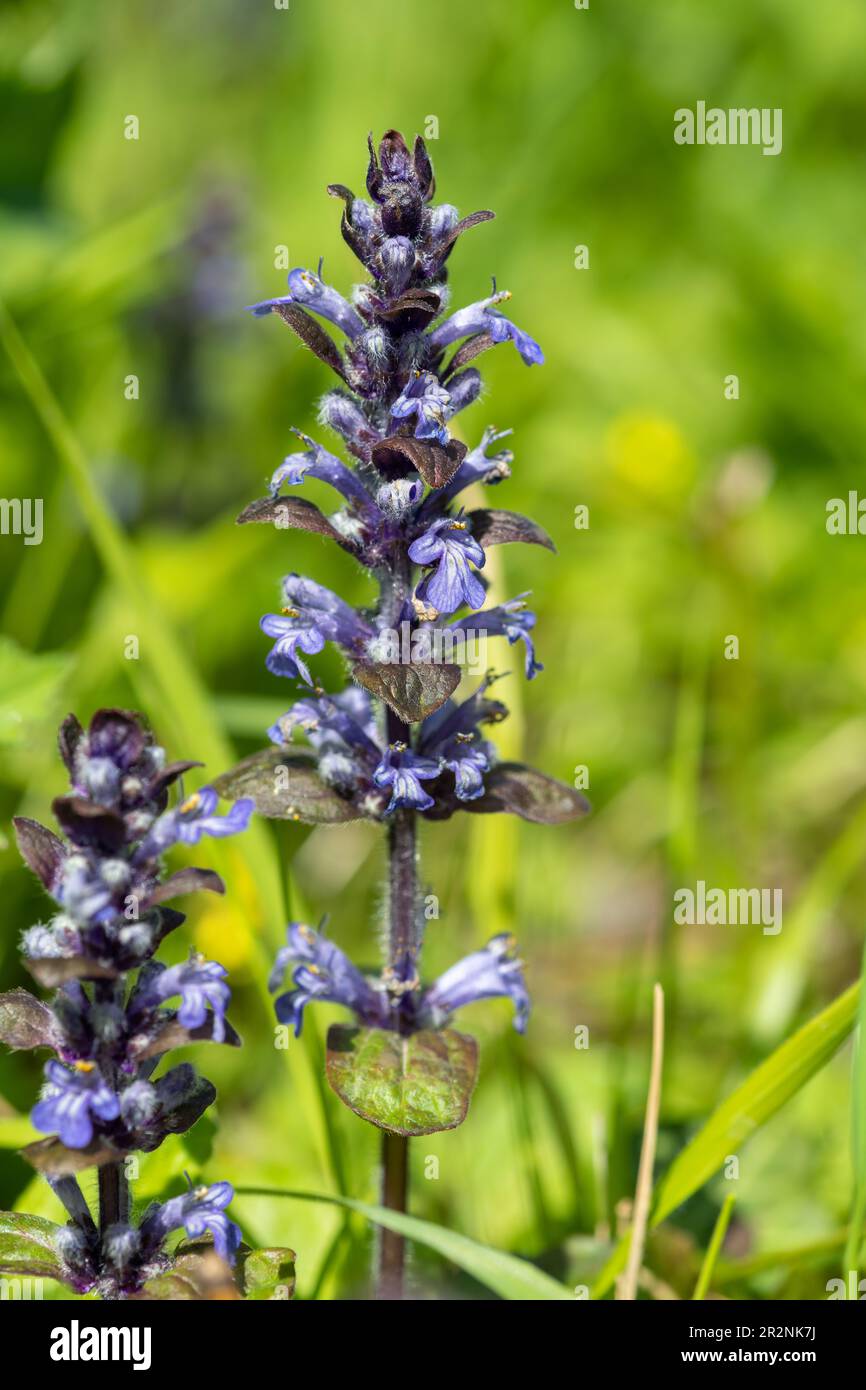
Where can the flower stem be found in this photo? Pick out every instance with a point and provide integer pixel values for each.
(402, 926)
(403, 943)
(395, 1191)
(113, 1196)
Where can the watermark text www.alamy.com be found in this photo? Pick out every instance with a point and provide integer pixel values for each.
(22, 516)
(731, 907)
(739, 125)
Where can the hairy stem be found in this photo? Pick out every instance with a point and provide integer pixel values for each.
(402, 889)
(395, 1191)
(113, 1196)
(402, 943)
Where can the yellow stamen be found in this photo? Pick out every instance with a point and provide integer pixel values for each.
(191, 803)
(84, 1066)
(290, 612)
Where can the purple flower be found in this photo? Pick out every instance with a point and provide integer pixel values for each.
(404, 771)
(450, 546)
(199, 982)
(310, 290)
(341, 413)
(428, 401)
(512, 620)
(71, 1100)
(396, 263)
(60, 938)
(193, 818)
(83, 892)
(463, 718)
(463, 390)
(485, 974)
(316, 462)
(313, 616)
(293, 631)
(198, 1211)
(467, 760)
(483, 318)
(322, 972)
(398, 498)
(452, 737)
(342, 731)
(477, 467)
(117, 736)
(346, 719)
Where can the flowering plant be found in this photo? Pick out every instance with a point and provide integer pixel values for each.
(396, 743)
(116, 1014)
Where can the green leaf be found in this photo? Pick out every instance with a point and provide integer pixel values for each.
(25, 1021)
(412, 311)
(414, 1085)
(269, 1274)
(52, 1157)
(285, 784)
(491, 526)
(312, 335)
(754, 1102)
(295, 513)
(524, 791)
(27, 1246)
(435, 463)
(716, 1241)
(53, 971)
(29, 688)
(858, 1138)
(413, 690)
(198, 1275)
(506, 1275)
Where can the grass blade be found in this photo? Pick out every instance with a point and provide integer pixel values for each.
(764, 1092)
(754, 1102)
(627, 1290)
(715, 1245)
(858, 1141)
(185, 704)
(506, 1275)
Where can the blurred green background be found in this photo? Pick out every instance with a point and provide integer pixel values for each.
(124, 258)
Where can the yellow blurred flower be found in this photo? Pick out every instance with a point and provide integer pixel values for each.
(649, 453)
(225, 926)
(222, 933)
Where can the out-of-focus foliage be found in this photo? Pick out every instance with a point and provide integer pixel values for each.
(126, 258)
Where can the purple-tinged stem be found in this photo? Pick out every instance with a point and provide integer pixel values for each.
(113, 1196)
(402, 891)
(113, 1183)
(395, 1192)
(402, 942)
